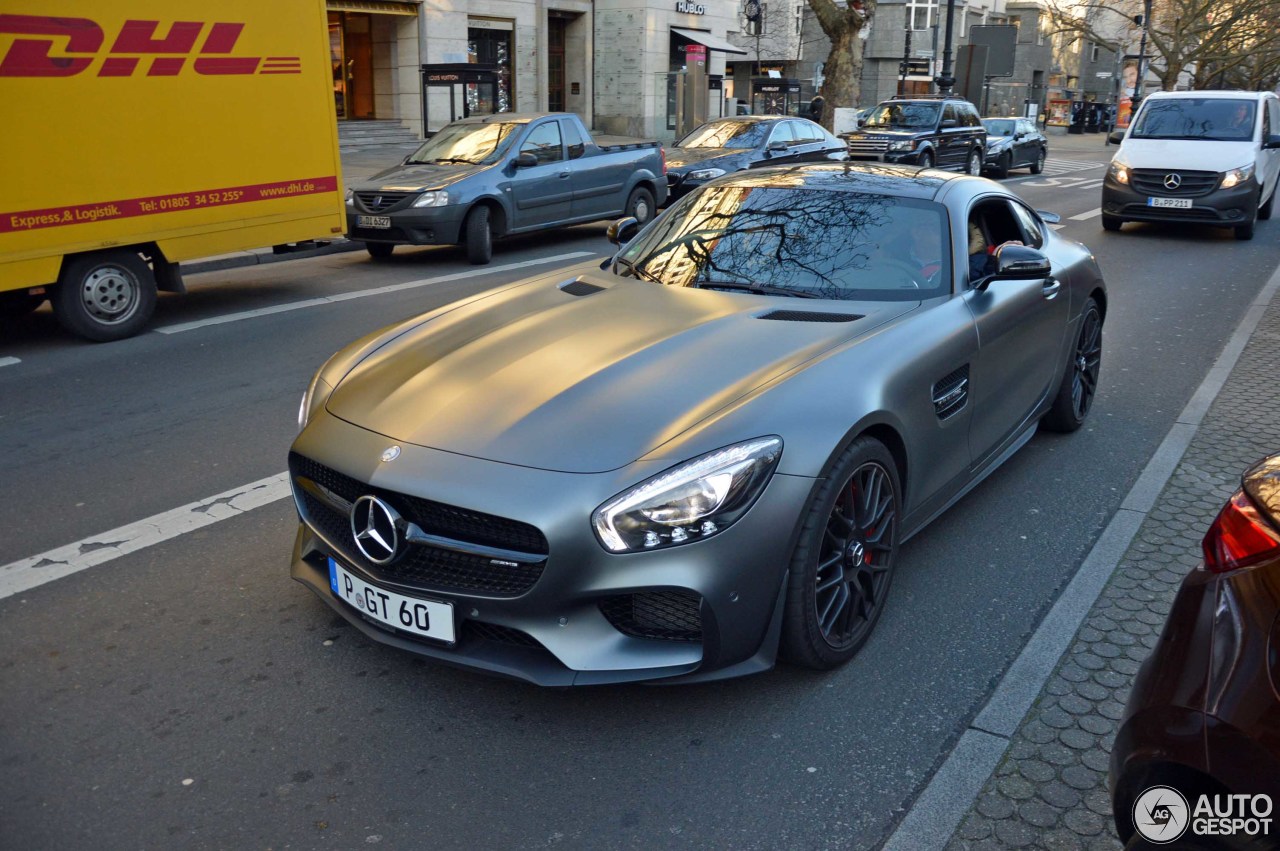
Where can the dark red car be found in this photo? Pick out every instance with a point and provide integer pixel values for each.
(1204, 714)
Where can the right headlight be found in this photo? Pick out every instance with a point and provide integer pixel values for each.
(1237, 176)
(905, 145)
(690, 502)
(318, 392)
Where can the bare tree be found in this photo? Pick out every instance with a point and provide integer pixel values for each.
(842, 73)
(1181, 35)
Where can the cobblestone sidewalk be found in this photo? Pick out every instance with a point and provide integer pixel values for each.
(1050, 790)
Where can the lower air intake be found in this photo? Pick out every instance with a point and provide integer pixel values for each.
(667, 615)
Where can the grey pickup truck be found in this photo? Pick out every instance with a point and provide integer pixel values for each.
(490, 176)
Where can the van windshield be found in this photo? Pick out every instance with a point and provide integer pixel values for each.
(1206, 119)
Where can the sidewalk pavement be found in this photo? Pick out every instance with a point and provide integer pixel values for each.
(1050, 789)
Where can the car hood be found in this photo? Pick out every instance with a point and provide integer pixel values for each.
(680, 159)
(417, 177)
(1185, 154)
(535, 376)
(999, 141)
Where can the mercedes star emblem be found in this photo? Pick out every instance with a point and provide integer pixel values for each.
(391, 454)
(1172, 181)
(375, 526)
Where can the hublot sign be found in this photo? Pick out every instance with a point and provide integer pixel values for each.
(690, 8)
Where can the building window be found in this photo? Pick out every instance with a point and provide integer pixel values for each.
(1093, 52)
(799, 21)
(921, 13)
(492, 43)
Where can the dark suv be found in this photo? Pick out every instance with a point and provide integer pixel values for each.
(928, 131)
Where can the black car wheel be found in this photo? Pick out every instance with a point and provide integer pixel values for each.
(479, 236)
(1005, 163)
(1079, 383)
(973, 165)
(640, 205)
(1111, 223)
(843, 564)
(1245, 231)
(1264, 212)
(1038, 165)
(380, 250)
(926, 159)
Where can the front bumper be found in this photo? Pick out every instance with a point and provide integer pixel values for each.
(896, 157)
(993, 156)
(563, 628)
(414, 226)
(1223, 207)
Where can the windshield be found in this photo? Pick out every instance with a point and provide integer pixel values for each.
(1207, 119)
(999, 126)
(812, 242)
(466, 143)
(905, 116)
(727, 134)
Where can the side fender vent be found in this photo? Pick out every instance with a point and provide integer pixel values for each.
(809, 316)
(580, 288)
(951, 393)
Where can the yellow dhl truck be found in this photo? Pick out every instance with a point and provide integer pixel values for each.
(139, 134)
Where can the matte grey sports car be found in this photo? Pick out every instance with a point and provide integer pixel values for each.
(706, 451)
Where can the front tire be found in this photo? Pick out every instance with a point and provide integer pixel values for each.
(1111, 223)
(640, 205)
(926, 159)
(843, 564)
(1079, 383)
(1038, 165)
(1006, 163)
(1264, 212)
(380, 250)
(106, 296)
(479, 237)
(973, 165)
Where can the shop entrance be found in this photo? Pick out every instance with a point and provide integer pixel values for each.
(351, 55)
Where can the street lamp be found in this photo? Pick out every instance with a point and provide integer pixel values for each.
(1139, 85)
(946, 80)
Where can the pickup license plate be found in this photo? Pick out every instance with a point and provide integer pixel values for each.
(427, 618)
(1176, 203)
(373, 221)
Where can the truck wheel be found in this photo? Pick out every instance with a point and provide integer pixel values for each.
(640, 205)
(479, 236)
(380, 250)
(19, 303)
(105, 296)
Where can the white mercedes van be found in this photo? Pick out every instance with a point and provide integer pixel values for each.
(1210, 157)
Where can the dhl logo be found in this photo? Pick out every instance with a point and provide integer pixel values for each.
(79, 42)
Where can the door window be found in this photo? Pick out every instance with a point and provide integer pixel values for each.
(969, 116)
(949, 114)
(573, 140)
(544, 143)
(1032, 228)
(783, 133)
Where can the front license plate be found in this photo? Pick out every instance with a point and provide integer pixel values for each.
(1177, 203)
(374, 221)
(427, 618)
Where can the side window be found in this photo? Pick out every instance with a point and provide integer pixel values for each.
(970, 117)
(1032, 227)
(782, 133)
(1273, 110)
(949, 113)
(805, 132)
(544, 143)
(573, 140)
(991, 224)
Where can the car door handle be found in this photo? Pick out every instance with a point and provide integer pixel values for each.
(564, 175)
(1051, 288)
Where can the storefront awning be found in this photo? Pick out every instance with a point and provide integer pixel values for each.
(377, 7)
(712, 42)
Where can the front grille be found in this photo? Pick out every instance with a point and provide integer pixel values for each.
(868, 146)
(422, 566)
(669, 615)
(376, 202)
(1150, 181)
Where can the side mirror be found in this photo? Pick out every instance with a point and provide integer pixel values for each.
(948, 123)
(1115, 137)
(1049, 218)
(525, 160)
(862, 122)
(623, 230)
(1272, 141)
(777, 147)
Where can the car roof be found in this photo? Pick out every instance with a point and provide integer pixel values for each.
(508, 118)
(745, 119)
(870, 178)
(1211, 94)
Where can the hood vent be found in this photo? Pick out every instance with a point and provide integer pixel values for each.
(809, 316)
(580, 288)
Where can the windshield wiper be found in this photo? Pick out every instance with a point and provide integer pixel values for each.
(758, 289)
(638, 272)
(454, 160)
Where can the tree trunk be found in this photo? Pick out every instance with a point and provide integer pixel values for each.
(842, 74)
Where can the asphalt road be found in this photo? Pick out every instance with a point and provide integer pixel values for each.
(190, 695)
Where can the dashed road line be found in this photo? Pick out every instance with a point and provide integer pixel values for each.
(1081, 217)
(9, 361)
(317, 302)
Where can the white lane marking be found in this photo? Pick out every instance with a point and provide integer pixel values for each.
(1063, 166)
(1082, 217)
(9, 361)
(1057, 227)
(316, 302)
(35, 571)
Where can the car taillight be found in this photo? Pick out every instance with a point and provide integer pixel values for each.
(1239, 537)
(662, 152)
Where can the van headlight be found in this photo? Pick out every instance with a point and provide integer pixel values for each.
(1237, 176)
(1119, 171)
(691, 501)
(318, 392)
(432, 199)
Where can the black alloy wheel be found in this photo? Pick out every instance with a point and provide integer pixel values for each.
(1006, 163)
(843, 566)
(1080, 381)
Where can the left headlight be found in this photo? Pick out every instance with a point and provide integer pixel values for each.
(907, 145)
(706, 173)
(318, 391)
(432, 199)
(1237, 176)
(690, 502)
